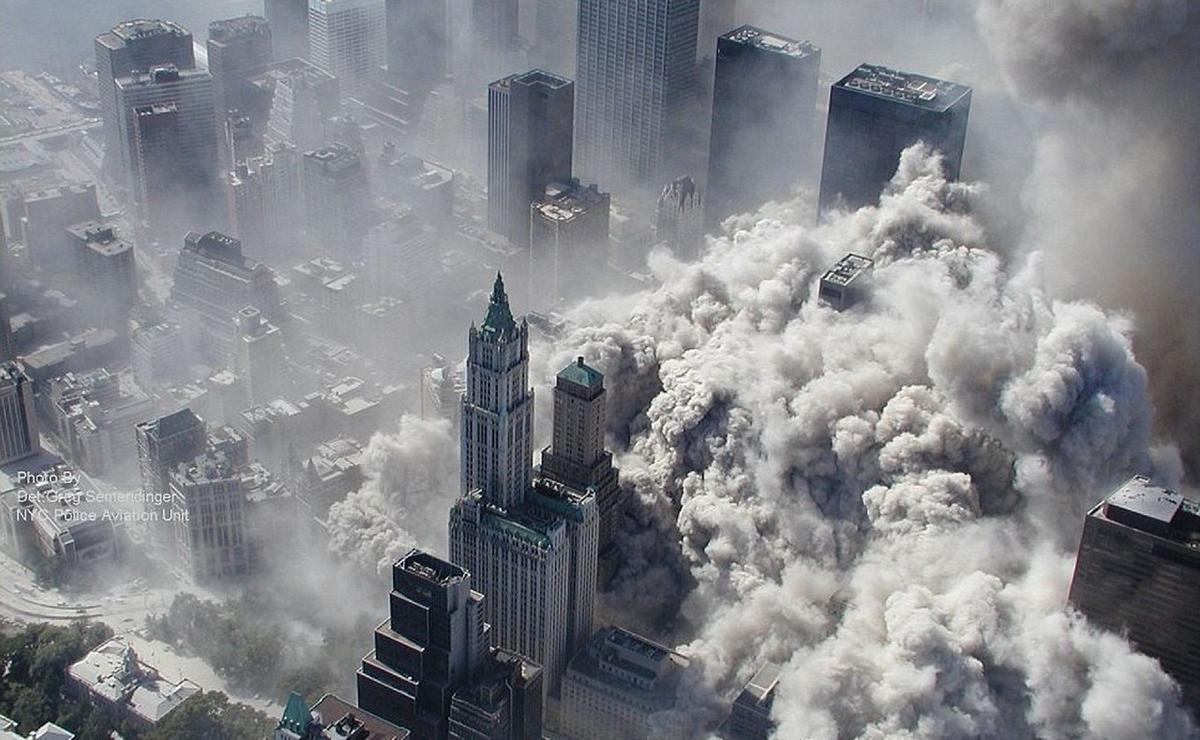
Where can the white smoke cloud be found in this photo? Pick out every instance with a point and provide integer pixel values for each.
(411, 482)
(884, 500)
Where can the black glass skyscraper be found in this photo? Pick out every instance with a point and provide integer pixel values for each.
(530, 136)
(764, 105)
(875, 113)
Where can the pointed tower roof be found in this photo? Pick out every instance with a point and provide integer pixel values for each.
(499, 321)
(296, 716)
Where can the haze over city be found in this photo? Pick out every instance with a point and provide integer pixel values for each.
(587, 369)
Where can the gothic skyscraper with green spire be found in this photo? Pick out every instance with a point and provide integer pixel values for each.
(529, 543)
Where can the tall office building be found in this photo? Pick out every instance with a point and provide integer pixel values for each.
(497, 409)
(163, 444)
(259, 360)
(503, 700)
(750, 716)
(432, 642)
(46, 216)
(532, 545)
(169, 138)
(264, 202)
(107, 272)
(337, 201)
(417, 43)
(131, 46)
(8, 349)
(763, 132)
(568, 237)
(576, 456)
(495, 25)
(874, 114)
(289, 28)
(303, 98)
(679, 219)
(717, 17)
(209, 507)
(348, 39)
(636, 73)
(1138, 572)
(555, 35)
(238, 49)
(18, 422)
(529, 146)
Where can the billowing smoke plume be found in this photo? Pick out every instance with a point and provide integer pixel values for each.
(1112, 197)
(884, 500)
(412, 479)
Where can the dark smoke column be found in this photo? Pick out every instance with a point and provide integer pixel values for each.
(874, 114)
(636, 73)
(764, 103)
(1138, 572)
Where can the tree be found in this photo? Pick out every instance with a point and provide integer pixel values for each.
(211, 716)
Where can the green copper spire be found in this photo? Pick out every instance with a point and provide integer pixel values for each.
(296, 716)
(499, 320)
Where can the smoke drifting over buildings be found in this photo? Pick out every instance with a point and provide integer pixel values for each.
(857, 445)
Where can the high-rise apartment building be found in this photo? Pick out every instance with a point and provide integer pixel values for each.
(417, 43)
(530, 119)
(531, 545)
(337, 201)
(763, 120)
(576, 457)
(131, 46)
(1138, 572)
(875, 113)
(636, 75)
(18, 422)
(568, 237)
(348, 39)
(621, 685)
(289, 28)
(238, 49)
(679, 219)
(169, 138)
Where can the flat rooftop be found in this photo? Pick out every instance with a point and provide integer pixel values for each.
(1146, 507)
(139, 28)
(847, 269)
(229, 28)
(772, 42)
(429, 568)
(903, 87)
(534, 77)
(566, 201)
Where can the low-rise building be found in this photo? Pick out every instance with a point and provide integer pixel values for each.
(113, 677)
(621, 685)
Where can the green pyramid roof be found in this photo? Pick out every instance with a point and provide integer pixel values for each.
(499, 319)
(296, 716)
(581, 374)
